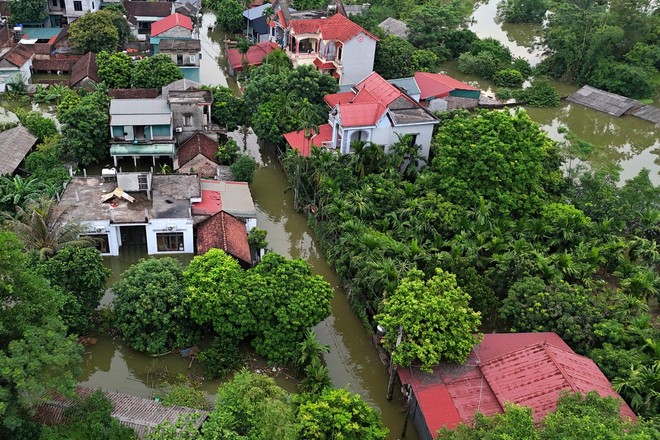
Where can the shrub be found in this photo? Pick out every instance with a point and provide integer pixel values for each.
(220, 359)
(508, 78)
(243, 169)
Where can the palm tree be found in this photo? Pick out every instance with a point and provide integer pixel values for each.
(18, 191)
(311, 348)
(39, 230)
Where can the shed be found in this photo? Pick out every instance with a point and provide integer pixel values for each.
(606, 102)
(436, 85)
(15, 144)
(529, 369)
(254, 56)
(226, 232)
(138, 413)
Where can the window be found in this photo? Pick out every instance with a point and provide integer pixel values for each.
(77, 5)
(101, 242)
(191, 59)
(179, 59)
(187, 119)
(169, 241)
(413, 140)
(92, 6)
(55, 3)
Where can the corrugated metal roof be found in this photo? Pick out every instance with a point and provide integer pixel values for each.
(139, 119)
(606, 102)
(408, 84)
(142, 150)
(15, 144)
(139, 107)
(530, 369)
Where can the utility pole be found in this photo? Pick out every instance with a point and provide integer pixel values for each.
(393, 366)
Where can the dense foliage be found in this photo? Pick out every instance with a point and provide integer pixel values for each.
(115, 69)
(104, 30)
(522, 11)
(36, 356)
(155, 72)
(575, 255)
(397, 58)
(149, 304)
(274, 303)
(37, 124)
(28, 11)
(576, 417)
(444, 332)
(85, 128)
(228, 14)
(242, 170)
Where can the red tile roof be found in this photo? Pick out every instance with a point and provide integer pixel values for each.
(436, 85)
(199, 143)
(85, 68)
(336, 27)
(226, 232)
(297, 140)
(366, 104)
(18, 55)
(255, 55)
(529, 369)
(170, 22)
(320, 64)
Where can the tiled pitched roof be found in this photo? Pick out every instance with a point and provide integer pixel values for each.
(85, 68)
(226, 232)
(297, 140)
(133, 93)
(147, 9)
(170, 22)
(62, 63)
(436, 85)
(336, 27)
(255, 55)
(18, 55)
(199, 143)
(15, 144)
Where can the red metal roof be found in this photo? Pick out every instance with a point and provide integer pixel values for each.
(255, 55)
(339, 98)
(170, 22)
(226, 232)
(336, 27)
(529, 369)
(297, 140)
(436, 85)
(211, 203)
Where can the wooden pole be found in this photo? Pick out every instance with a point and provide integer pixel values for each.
(409, 413)
(393, 366)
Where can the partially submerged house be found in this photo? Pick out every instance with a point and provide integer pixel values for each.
(141, 128)
(334, 45)
(442, 92)
(15, 65)
(15, 144)
(528, 369)
(256, 21)
(185, 53)
(137, 413)
(371, 111)
(85, 73)
(141, 209)
(224, 231)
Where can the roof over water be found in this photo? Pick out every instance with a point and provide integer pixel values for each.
(138, 413)
(15, 144)
(606, 102)
(648, 113)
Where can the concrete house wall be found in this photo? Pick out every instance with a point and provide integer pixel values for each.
(176, 32)
(197, 119)
(170, 225)
(357, 59)
(87, 6)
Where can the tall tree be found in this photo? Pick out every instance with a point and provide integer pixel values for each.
(36, 356)
(85, 129)
(115, 69)
(28, 11)
(155, 72)
(94, 32)
(436, 321)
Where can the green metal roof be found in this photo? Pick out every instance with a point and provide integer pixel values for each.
(191, 73)
(142, 150)
(41, 33)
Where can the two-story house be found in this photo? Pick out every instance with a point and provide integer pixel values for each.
(191, 112)
(334, 45)
(141, 128)
(141, 15)
(173, 36)
(77, 8)
(373, 110)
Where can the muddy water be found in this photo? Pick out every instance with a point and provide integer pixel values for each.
(352, 360)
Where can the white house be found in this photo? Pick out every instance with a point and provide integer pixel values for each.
(375, 111)
(14, 62)
(139, 210)
(334, 45)
(77, 8)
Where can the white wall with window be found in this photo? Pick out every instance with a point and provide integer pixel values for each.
(170, 236)
(107, 237)
(78, 8)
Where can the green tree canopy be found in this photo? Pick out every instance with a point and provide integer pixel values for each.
(251, 407)
(228, 109)
(504, 158)
(36, 356)
(522, 11)
(115, 69)
(338, 413)
(229, 15)
(80, 273)
(86, 128)
(151, 313)
(394, 58)
(28, 11)
(94, 32)
(155, 72)
(445, 331)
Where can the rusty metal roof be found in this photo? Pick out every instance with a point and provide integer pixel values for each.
(530, 369)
